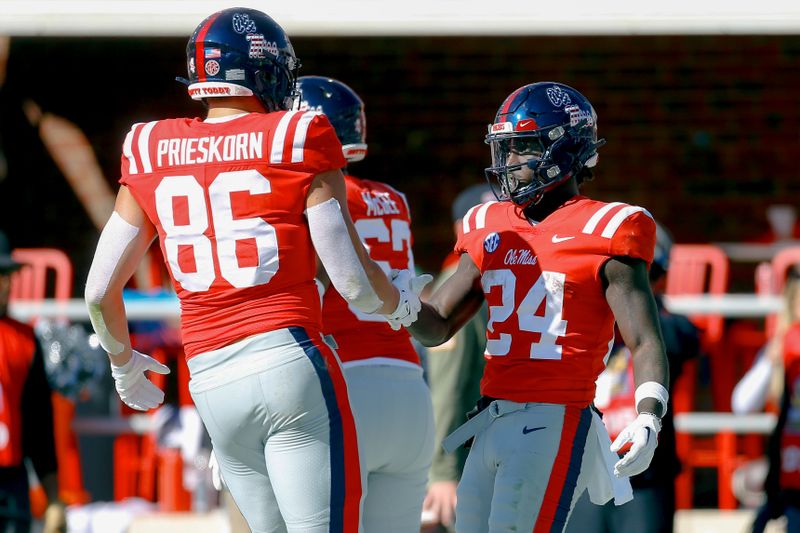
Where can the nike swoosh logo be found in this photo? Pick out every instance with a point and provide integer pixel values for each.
(525, 430)
(557, 239)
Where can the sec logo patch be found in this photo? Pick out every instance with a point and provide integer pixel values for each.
(491, 242)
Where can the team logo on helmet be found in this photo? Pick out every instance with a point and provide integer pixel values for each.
(558, 97)
(491, 242)
(243, 24)
(212, 67)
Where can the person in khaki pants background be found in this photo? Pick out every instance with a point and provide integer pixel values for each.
(454, 375)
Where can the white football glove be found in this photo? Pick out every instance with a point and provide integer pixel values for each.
(408, 308)
(216, 474)
(133, 386)
(642, 433)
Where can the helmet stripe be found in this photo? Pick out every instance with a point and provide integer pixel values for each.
(200, 49)
(507, 103)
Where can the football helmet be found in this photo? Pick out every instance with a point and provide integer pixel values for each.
(542, 134)
(242, 52)
(344, 110)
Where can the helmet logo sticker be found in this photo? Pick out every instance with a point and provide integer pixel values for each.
(576, 114)
(192, 68)
(259, 46)
(212, 68)
(234, 74)
(212, 53)
(243, 24)
(491, 242)
(501, 127)
(558, 97)
(305, 106)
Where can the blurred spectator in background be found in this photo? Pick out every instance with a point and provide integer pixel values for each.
(454, 374)
(775, 375)
(26, 418)
(783, 224)
(653, 507)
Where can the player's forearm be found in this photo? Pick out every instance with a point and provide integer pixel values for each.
(110, 323)
(387, 293)
(430, 329)
(650, 364)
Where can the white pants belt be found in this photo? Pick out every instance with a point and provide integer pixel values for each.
(479, 422)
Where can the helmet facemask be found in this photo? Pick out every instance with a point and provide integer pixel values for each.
(525, 165)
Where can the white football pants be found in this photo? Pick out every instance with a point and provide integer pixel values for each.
(394, 419)
(523, 472)
(277, 410)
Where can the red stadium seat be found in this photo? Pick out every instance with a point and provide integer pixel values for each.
(47, 273)
(700, 269)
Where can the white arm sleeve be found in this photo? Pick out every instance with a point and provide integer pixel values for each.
(750, 394)
(114, 240)
(335, 249)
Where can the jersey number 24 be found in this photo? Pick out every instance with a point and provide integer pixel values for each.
(548, 288)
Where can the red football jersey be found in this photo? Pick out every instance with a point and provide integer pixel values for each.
(17, 348)
(381, 216)
(227, 199)
(550, 326)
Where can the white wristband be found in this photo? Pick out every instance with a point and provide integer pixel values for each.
(652, 389)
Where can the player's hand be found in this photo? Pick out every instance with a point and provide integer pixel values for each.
(408, 308)
(440, 503)
(216, 474)
(133, 386)
(55, 518)
(642, 433)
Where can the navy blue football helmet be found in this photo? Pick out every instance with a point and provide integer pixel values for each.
(242, 52)
(344, 109)
(543, 134)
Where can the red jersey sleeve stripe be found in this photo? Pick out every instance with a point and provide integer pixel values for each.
(144, 146)
(279, 137)
(465, 221)
(617, 220)
(480, 216)
(127, 149)
(300, 133)
(591, 225)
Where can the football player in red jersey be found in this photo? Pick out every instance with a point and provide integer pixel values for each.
(240, 203)
(390, 399)
(557, 270)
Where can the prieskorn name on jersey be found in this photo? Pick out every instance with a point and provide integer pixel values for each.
(211, 149)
